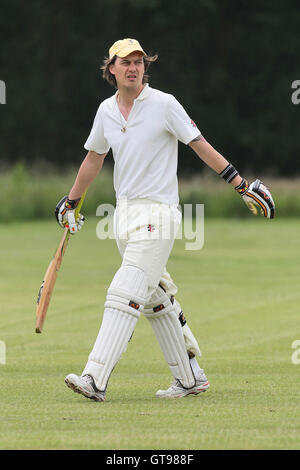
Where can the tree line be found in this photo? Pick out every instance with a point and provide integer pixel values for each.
(231, 64)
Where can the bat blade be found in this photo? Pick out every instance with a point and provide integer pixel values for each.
(47, 286)
(48, 283)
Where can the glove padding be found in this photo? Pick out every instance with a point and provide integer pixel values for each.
(257, 195)
(65, 215)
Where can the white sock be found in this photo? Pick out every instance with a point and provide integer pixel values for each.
(195, 367)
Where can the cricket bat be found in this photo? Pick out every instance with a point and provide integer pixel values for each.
(48, 283)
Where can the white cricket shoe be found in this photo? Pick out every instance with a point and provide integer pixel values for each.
(85, 385)
(176, 390)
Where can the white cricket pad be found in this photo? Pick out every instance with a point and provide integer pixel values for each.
(191, 343)
(128, 290)
(167, 328)
(116, 330)
(126, 296)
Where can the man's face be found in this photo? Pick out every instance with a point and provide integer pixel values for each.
(129, 70)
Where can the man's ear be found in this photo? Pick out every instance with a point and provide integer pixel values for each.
(111, 69)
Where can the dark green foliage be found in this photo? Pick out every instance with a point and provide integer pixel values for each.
(30, 193)
(230, 63)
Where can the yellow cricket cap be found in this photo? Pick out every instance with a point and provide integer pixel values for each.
(123, 47)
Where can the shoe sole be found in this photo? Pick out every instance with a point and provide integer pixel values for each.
(76, 389)
(198, 390)
(203, 388)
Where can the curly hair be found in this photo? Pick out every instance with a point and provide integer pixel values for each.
(110, 78)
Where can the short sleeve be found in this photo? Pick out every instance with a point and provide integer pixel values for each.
(179, 123)
(96, 141)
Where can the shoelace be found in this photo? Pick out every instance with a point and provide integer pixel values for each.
(92, 383)
(89, 379)
(175, 383)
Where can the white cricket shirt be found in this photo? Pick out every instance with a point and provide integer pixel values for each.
(146, 153)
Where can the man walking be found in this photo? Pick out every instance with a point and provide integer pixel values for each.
(142, 126)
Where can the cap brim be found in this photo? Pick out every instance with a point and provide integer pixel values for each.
(129, 50)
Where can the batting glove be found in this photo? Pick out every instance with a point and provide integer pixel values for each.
(65, 214)
(257, 195)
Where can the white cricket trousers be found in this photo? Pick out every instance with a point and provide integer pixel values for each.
(145, 231)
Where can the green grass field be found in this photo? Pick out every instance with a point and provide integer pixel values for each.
(240, 295)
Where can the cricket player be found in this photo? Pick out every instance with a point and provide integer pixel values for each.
(142, 126)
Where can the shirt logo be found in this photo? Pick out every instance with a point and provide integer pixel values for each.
(193, 124)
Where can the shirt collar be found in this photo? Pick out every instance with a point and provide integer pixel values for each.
(144, 93)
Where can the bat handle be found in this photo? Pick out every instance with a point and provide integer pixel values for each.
(77, 210)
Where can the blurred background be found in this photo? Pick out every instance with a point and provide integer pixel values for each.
(231, 64)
